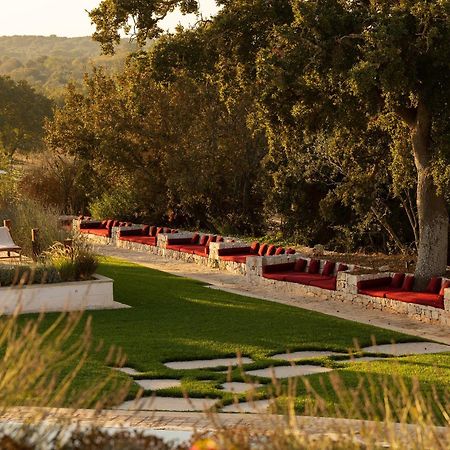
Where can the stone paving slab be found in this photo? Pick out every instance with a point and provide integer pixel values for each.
(237, 284)
(288, 371)
(207, 363)
(167, 404)
(364, 359)
(409, 348)
(240, 388)
(154, 385)
(297, 356)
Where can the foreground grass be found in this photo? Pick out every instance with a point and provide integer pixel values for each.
(173, 318)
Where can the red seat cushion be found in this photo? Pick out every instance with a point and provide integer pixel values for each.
(201, 252)
(176, 247)
(290, 251)
(328, 268)
(275, 276)
(262, 249)
(146, 230)
(145, 240)
(324, 283)
(408, 283)
(241, 259)
(434, 285)
(397, 280)
(105, 232)
(418, 298)
(380, 291)
(191, 248)
(280, 251)
(342, 267)
(300, 265)
(302, 278)
(195, 239)
(314, 266)
(254, 247)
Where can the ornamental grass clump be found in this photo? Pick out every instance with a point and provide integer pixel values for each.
(74, 262)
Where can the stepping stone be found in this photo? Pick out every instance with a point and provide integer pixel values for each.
(288, 371)
(207, 363)
(167, 404)
(256, 407)
(410, 348)
(296, 356)
(127, 370)
(240, 388)
(154, 385)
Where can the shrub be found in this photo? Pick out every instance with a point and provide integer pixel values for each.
(24, 274)
(28, 214)
(121, 202)
(74, 263)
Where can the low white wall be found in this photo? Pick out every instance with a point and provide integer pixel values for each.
(74, 296)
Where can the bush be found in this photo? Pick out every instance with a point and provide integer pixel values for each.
(28, 214)
(75, 263)
(23, 274)
(121, 202)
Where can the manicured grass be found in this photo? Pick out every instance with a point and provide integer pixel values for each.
(173, 318)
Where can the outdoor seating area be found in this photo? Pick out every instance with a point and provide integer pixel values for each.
(267, 263)
(399, 287)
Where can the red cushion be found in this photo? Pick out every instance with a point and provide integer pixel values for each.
(195, 238)
(290, 251)
(381, 291)
(241, 259)
(271, 250)
(146, 230)
(159, 230)
(342, 267)
(191, 248)
(254, 247)
(211, 239)
(280, 251)
(152, 231)
(302, 278)
(445, 285)
(275, 276)
(201, 252)
(408, 283)
(104, 222)
(314, 266)
(204, 240)
(109, 224)
(418, 298)
(434, 285)
(145, 240)
(325, 283)
(328, 268)
(397, 280)
(220, 239)
(300, 265)
(98, 231)
(262, 249)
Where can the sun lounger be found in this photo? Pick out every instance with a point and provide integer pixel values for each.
(7, 244)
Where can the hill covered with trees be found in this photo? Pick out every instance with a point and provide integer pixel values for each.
(49, 63)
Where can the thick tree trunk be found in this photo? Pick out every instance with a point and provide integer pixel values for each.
(432, 210)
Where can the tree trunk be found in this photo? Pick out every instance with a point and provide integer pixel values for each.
(431, 206)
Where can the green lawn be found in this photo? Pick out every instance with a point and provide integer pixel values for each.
(173, 318)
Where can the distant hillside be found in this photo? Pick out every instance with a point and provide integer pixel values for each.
(49, 63)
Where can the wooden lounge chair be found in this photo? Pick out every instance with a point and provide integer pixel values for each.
(7, 244)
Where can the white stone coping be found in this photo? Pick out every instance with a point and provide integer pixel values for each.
(59, 297)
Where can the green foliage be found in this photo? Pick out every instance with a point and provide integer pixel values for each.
(119, 202)
(21, 117)
(24, 274)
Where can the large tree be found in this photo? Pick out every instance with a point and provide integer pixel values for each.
(332, 66)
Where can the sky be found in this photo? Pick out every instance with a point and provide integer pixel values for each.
(65, 17)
